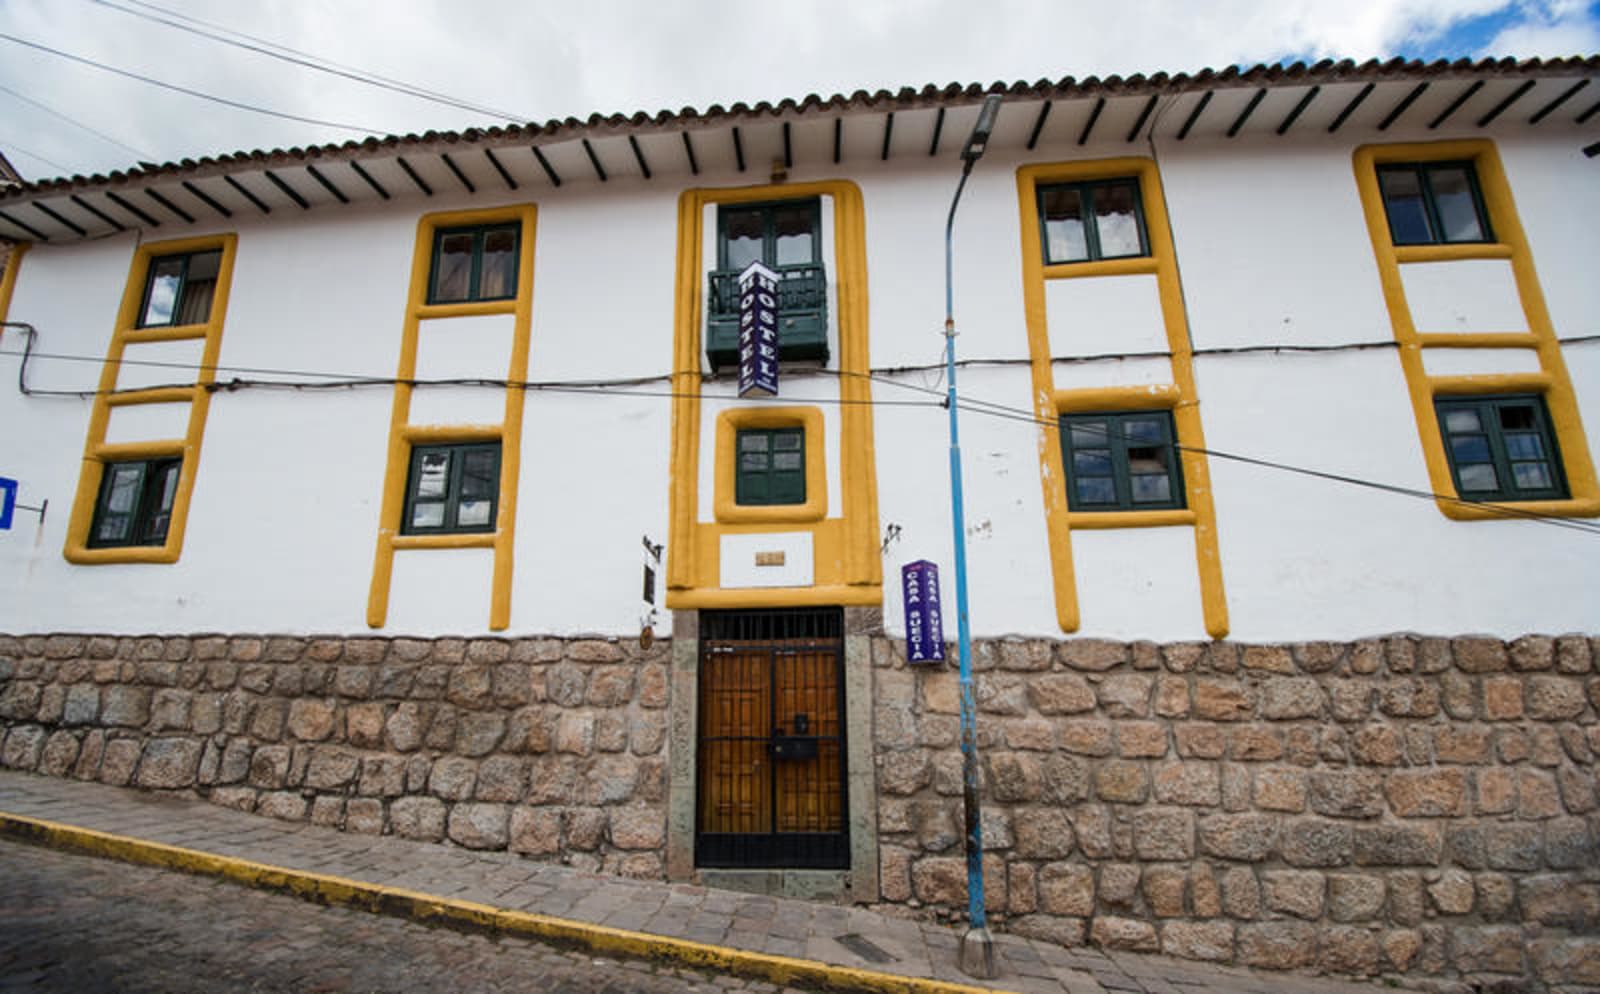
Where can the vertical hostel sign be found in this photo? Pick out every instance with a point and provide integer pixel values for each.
(919, 582)
(758, 331)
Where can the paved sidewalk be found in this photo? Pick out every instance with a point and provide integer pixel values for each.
(720, 930)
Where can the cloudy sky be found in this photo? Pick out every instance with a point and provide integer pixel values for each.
(534, 60)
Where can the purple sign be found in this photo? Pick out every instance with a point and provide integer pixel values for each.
(758, 331)
(924, 626)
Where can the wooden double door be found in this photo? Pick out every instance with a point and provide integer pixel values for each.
(771, 763)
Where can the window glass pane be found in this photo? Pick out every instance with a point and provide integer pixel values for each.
(1524, 445)
(478, 473)
(168, 486)
(1151, 489)
(113, 528)
(1064, 236)
(796, 243)
(742, 238)
(1517, 417)
(199, 286)
(753, 462)
(1147, 459)
(1117, 220)
(474, 513)
(195, 307)
(124, 491)
(1402, 201)
(1459, 420)
(1531, 475)
(433, 475)
(787, 460)
(1143, 430)
(1088, 433)
(1479, 477)
(497, 276)
(1096, 490)
(1470, 448)
(427, 514)
(159, 510)
(752, 441)
(1452, 198)
(1092, 462)
(161, 294)
(452, 275)
(786, 440)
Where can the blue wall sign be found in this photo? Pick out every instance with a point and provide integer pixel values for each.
(758, 331)
(919, 582)
(8, 501)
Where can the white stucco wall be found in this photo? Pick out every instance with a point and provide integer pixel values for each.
(1272, 248)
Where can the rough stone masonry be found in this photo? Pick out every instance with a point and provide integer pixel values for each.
(1400, 806)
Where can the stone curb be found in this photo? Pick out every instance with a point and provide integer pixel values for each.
(469, 915)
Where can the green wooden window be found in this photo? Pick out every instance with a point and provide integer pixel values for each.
(1121, 462)
(1433, 203)
(452, 488)
(786, 233)
(1501, 447)
(178, 289)
(772, 466)
(474, 264)
(135, 503)
(1102, 219)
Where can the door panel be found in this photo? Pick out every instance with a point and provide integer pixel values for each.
(771, 752)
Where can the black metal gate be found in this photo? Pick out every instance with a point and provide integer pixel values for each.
(771, 772)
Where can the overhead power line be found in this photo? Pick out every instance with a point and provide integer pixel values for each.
(240, 105)
(632, 388)
(273, 50)
(75, 123)
(13, 147)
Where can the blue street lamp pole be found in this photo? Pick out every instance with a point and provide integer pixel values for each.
(977, 946)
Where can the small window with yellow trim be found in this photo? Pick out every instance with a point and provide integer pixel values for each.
(1124, 461)
(1433, 203)
(135, 503)
(1501, 448)
(772, 466)
(478, 263)
(1093, 220)
(178, 289)
(452, 489)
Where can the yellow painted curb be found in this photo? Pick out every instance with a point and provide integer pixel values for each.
(430, 909)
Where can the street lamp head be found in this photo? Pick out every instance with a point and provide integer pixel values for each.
(978, 141)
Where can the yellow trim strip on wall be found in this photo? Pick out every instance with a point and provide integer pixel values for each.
(847, 567)
(8, 277)
(1181, 396)
(1552, 381)
(1477, 340)
(403, 435)
(97, 452)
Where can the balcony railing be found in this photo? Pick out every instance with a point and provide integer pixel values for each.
(802, 315)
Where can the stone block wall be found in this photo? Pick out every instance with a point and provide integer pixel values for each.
(1402, 806)
(553, 748)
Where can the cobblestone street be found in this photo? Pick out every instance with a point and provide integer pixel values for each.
(79, 925)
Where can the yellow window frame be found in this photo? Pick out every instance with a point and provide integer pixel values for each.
(1552, 381)
(1181, 396)
(98, 452)
(403, 436)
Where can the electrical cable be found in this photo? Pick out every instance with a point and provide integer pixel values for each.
(620, 387)
(75, 123)
(193, 93)
(13, 147)
(305, 59)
